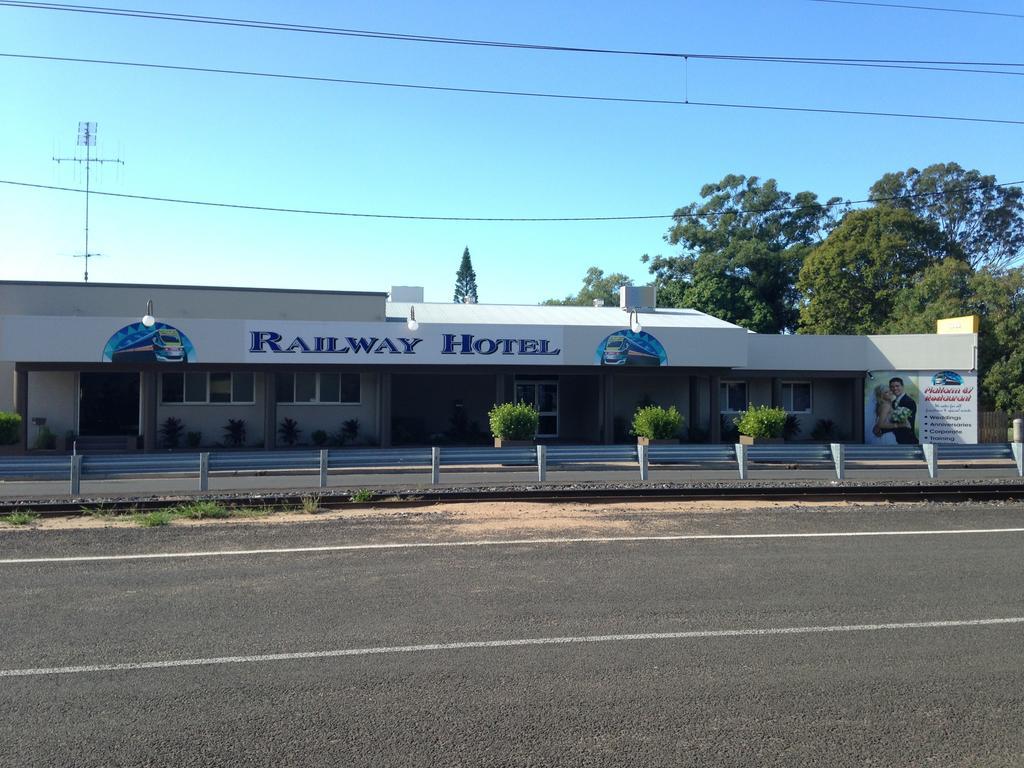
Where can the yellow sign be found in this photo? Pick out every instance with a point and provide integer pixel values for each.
(965, 324)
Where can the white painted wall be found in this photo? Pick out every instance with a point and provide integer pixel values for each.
(52, 395)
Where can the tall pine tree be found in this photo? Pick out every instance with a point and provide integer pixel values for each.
(465, 281)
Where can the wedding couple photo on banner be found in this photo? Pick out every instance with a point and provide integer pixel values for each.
(890, 408)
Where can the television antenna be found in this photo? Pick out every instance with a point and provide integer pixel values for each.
(87, 139)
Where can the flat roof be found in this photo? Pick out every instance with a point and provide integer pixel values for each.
(83, 284)
(542, 314)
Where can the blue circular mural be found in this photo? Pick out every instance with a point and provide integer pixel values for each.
(160, 343)
(628, 348)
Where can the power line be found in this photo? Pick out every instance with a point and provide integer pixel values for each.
(507, 219)
(530, 94)
(437, 39)
(902, 6)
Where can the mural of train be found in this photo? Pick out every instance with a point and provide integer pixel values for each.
(137, 343)
(633, 349)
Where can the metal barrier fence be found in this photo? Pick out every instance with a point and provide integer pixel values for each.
(836, 456)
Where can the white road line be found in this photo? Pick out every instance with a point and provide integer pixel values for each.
(694, 635)
(500, 543)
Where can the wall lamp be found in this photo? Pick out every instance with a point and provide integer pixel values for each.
(411, 323)
(634, 321)
(147, 319)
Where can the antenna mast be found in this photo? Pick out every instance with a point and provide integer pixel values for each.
(87, 139)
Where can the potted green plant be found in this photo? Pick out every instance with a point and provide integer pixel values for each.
(653, 424)
(513, 424)
(761, 424)
(10, 432)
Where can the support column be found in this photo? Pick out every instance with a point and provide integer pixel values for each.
(694, 402)
(715, 418)
(499, 388)
(384, 409)
(21, 405)
(776, 392)
(147, 392)
(269, 411)
(857, 401)
(608, 407)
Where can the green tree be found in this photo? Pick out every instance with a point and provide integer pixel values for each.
(851, 282)
(465, 281)
(983, 222)
(742, 250)
(596, 285)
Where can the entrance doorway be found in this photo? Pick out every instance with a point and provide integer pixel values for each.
(108, 404)
(542, 394)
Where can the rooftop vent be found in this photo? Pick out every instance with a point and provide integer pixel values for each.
(412, 294)
(598, 302)
(637, 297)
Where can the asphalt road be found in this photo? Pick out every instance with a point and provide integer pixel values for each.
(817, 650)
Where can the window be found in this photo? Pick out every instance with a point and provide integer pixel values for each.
(339, 388)
(796, 396)
(201, 387)
(732, 396)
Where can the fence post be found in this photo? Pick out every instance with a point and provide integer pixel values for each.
(643, 454)
(435, 465)
(1018, 454)
(1018, 430)
(542, 463)
(932, 457)
(323, 467)
(839, 458)
(741, 459)
(204, 471)
(76, 475)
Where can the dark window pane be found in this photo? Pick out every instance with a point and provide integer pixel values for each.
(195, 387)
(305, 387)
(285, 387)
(547, 425)
(220, 387)
(172, 387)
(329, 392)
(526, 393)
(242, 388)
(802, 397)
(548, 398)
(349, 387)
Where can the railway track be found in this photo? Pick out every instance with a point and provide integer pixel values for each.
(391, 499)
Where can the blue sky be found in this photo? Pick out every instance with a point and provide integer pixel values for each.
(380, 150)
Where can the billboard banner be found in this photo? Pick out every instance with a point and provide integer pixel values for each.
(909, 407)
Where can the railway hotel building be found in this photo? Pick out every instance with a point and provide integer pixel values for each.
(114, 362)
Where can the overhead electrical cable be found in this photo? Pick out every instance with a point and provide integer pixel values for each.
(531, 94)
(399, 36)
(904, 6)
(521, 219)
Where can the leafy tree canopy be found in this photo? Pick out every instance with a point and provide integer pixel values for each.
(465, 281)
(596, 285)
(852, 281)
(742, 249)
(984, 223)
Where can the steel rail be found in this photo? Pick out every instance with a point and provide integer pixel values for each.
(394, 499)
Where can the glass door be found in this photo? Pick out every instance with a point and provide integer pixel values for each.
(542, 395)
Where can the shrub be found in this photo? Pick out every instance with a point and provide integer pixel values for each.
(10, 428)
(728, 428)
(350, 429)
(289, 431)
(193, 439)
(656, 423)
(319, 438)
(825, 430)
(45, 440)
(514, 421)
(761, 421)
(234, 432)
(171, 431)
(791, 428)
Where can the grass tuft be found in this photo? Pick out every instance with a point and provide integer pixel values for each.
(362, 496)
(155, 518)
(202, 510)
(19, 518)
(310, 504)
